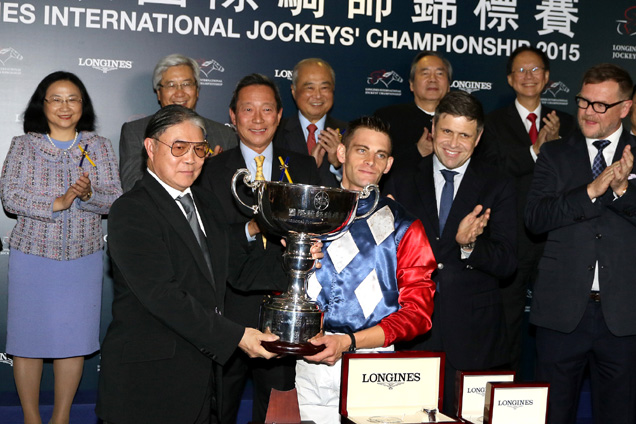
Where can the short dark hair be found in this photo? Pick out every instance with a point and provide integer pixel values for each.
(370, 122)
(610, 72)
(34, 118)
(424, 53)
(255, 79)
(532, 49)
(170, 116)
(460, 103)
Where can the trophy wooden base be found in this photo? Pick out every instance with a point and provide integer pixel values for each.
(286, 348)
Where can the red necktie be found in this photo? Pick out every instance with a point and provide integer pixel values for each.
(532, 117)
(311, 138)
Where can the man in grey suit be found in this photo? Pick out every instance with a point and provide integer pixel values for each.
(312, 131)
(584, 197)
(176, 81)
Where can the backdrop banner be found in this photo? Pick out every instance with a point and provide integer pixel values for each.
(114, 45)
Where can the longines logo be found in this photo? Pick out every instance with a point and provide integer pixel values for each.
(481, 391)
(105, 65)
(8, 57)
(552, 91)
(283, 73)
(627, 26)
(207, 67)
(383, 78)
(4, 359)
(391, 379)
(515, 403)
(471, 86)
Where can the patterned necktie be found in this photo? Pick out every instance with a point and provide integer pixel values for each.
(447, 197)
(311, 138)
(260, 177)
(188, 206)
(259, 168)
(533, 133)
(599, 163)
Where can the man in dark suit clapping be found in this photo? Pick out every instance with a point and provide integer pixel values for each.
(468, 212)
(312, 131)
(584, 197)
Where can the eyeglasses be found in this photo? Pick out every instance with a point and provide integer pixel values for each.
(534, 71)
(180, 148)
(173, 86)
(599, 107)
(58, 101)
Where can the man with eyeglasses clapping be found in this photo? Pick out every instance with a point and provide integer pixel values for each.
(583, 196)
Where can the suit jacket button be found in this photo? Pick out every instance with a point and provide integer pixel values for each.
(599, 236)
(590, 268)
(440, 266)
(469, 267)
(437, 238)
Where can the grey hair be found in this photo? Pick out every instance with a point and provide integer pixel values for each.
(312, 61)
(170, 61)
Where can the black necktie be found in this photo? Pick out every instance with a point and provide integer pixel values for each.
(599, 163)
(446, 202)
(188, 206)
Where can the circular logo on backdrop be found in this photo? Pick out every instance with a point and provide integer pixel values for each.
(321, 201)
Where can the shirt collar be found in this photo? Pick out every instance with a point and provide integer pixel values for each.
(173, 192)
(304, 122)
(437, 166)
(523, 112)
(613, 138)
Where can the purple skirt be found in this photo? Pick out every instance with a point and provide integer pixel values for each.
(54, 306)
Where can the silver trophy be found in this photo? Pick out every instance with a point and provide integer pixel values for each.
(300, 214)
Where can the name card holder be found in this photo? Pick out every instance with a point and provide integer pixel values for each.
(395, 387)
(471, 392)
(519, 403)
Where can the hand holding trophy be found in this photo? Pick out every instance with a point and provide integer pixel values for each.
(299, 213)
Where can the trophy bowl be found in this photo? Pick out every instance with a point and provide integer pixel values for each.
(301, 214)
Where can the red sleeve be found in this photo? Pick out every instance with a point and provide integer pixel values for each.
(415, 264)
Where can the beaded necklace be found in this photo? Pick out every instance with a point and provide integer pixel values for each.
(69, 147)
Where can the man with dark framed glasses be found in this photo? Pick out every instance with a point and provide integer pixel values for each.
(599, 107)
(583, 196)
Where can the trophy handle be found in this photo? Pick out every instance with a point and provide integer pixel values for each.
(366, 192)
(246, 180)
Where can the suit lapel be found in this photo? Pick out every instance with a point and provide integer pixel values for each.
(517, 127)
(425, 183)
(234, 162)
(214, 240)
(623, 141)
(465, 200)
(294, 135)
(167, 206)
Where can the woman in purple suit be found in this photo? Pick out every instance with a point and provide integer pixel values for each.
(59, 178)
